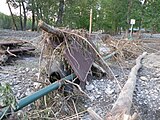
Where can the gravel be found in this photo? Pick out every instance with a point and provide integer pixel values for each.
(102, 92)
(20, 76)
(147, 95)
(146, 99)
(21, 72)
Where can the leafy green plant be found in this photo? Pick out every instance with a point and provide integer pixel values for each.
(6, 95)
(7, 99)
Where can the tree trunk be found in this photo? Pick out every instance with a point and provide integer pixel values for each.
(20, 15)
(33, 20)
(25, 17)
(128, 16)
(14, 23)
(60, 13)
(37, 12)
(41, 16)
(33, 15)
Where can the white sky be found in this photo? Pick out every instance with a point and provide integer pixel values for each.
(4, 8)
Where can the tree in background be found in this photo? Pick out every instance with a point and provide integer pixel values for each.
(110, 16)
(60, 13)
(7, 20)
(14, 22)
(152, 15)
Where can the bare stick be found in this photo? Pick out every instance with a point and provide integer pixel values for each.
(75, 110)
(99, 67)
(90, 23)
(10, 52)
(78, 87)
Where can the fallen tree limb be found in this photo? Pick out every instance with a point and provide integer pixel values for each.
(17, 50)
(12, 42)
(121, 108)
(50, 29)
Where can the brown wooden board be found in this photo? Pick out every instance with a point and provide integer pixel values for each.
(79, 59)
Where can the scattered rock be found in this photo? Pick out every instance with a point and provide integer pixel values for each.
(90, 87)
(109, 91)
(143, 78)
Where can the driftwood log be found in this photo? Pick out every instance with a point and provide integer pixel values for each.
(121, 108)
(50, 29)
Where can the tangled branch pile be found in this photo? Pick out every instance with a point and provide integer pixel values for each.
(68, 51)
(64, 52)
(125, 49)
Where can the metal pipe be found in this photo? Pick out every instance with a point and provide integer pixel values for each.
(54, 86)
(29, 99)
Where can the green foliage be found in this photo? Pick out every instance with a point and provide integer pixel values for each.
(108, 15)
(152, 15)
(6, 96)
(5, 21)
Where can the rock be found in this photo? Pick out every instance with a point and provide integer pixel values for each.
(96, 89)
(92, 98)
(28, 92)
(37, 74)
(116, 75)
(90, 87)
(3, 58)
(97, 96)
(36, 85)
(154, 79)
(27, 69)
(101, 80)
(143, 78)
(86, 106)
(158, 75)
(109, 91)
(34, 69)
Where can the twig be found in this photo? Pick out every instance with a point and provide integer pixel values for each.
(40, 59)
(32, 40)
(75, 110)
(99, 67)
(10, 52)
(73, 116)
(78, 87)
(46, 83)
(52, 57)
(70, 51)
